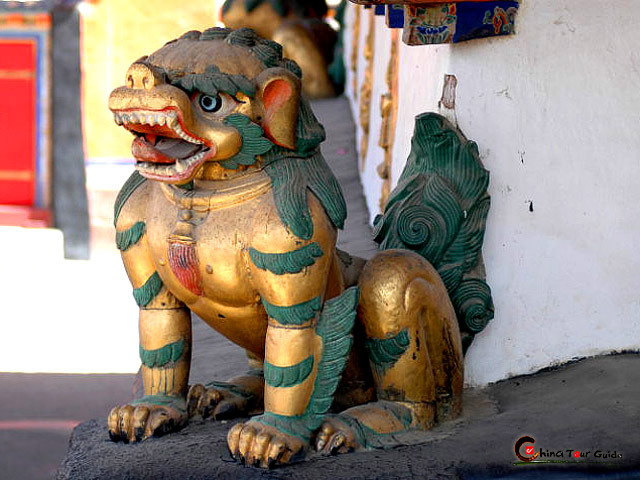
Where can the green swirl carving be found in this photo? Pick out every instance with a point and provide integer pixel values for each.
(439, 210)
(472, 301)
(288, 376)
(289, 262)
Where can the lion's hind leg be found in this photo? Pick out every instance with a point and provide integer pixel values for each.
(414, 349)
(239, 396)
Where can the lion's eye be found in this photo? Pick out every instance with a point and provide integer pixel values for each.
(214, 107)
(209, 103)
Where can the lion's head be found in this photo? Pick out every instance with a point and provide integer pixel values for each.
(213, 103)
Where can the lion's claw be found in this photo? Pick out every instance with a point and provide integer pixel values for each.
(134, 423)
(217, 403)
(262, 445)
(335, 436)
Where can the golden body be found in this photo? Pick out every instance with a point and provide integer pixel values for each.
(210, 204)
(231, 283)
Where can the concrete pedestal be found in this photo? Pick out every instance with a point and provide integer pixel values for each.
(590, 406)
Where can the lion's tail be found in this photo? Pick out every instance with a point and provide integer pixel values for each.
(439, 210)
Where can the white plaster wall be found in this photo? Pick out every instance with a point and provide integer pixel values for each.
(555, 110)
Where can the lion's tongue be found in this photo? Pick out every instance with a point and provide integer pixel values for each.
(166, 150)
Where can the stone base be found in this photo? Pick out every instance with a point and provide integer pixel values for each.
(587, 406)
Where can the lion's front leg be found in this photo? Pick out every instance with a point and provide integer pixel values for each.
(306, 347)
(291, 356)
(165, 352)
(298, 395)
(165, 334)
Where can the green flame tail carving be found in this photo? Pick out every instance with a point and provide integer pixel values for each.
(439, 209)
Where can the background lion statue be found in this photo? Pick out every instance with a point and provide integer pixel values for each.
(300, 27)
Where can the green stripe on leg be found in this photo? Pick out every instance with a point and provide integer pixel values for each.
(295, 314)
(160, 357)
(386, 352)
(288, 376)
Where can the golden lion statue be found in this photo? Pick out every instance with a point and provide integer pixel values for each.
(233, 214)
(299, 26)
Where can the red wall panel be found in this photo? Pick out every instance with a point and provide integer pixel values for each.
(17, 121)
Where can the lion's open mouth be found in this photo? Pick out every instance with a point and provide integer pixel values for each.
(163, 149)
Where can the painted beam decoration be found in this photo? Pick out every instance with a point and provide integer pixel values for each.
(394, 16)
(413, 2)
(427, 22)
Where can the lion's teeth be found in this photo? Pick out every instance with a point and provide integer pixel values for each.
(170, 118)
(185, 136)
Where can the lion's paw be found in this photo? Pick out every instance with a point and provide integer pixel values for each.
(219, 400)
(262, 445)
(152, 415)
(336, 435)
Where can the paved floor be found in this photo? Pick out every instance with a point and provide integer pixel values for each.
(39, 412)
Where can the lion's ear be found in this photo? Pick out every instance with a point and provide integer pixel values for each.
(279, 91)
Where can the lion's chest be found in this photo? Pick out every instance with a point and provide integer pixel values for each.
(200, 253)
